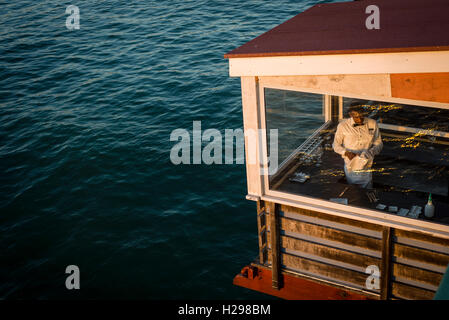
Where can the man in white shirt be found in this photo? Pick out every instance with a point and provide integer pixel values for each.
(358, 140)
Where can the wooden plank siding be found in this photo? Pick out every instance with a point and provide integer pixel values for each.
(333, 220)
(422, 278)
(311, 244)
(421, 86)
(324, 270)
(338, 236)
(420, 261)
(341, 84)
(339, 250)
(424, 238)
(410, 292)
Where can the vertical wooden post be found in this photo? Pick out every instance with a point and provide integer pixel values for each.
(273, 210)
(335, 104)
(340, 108)
(385, 284)
(262, 231)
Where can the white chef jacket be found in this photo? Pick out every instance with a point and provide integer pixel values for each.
(363, 140)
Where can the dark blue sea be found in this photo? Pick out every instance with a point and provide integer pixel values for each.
(85, 171)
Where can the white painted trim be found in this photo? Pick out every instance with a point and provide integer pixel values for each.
(332, 224)
(252, 197)
(367, 63)
(260, 117)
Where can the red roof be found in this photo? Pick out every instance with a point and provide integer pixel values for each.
(333, 28)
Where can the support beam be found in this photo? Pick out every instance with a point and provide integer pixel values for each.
(273, 210)
(251, 125)
(296, 287)
(385, 283)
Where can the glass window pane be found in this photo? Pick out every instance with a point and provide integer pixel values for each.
(382, 156)
(404, 115)
(295, 116)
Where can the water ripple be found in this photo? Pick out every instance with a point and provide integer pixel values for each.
(85, 121)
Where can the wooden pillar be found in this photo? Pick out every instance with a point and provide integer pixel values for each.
(273, 210)
(262, 231)
(385, 277)
(334, 108)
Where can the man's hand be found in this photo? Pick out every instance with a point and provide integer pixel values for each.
(350, 155)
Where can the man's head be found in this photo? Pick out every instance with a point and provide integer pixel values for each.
(356, 112)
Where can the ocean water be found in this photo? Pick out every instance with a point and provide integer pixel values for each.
(85, 171)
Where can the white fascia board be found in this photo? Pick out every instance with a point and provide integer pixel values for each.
(367, 63)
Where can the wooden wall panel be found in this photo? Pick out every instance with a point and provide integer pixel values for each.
(340, 84)
(402, 291)
(318, 251)
(327, 233)
(420, 255)
(330, 219)
(422, 278)
(325, 270)
(424, 238)
(328, 246)
(421, 86)
(339, 250)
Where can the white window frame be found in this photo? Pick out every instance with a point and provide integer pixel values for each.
(315, 204)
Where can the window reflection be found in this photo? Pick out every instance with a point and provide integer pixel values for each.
(287, 111)
(407, 162)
